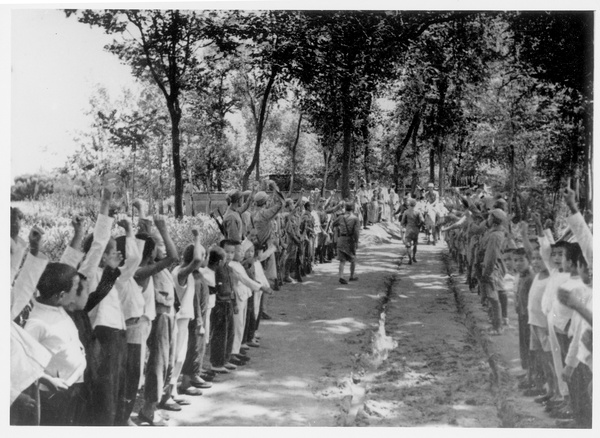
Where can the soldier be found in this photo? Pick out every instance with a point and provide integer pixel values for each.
(349, 229)
(411, 221)
(232, 220)
(294, 240)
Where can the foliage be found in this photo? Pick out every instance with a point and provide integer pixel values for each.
(31, 187)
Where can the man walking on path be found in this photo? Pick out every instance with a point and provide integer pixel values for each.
(349, 228)
(411, 221)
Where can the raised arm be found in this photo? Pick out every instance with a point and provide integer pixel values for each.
(146, 271)
(101, 237)
(132, 252)
(580, 229)
(73, 254)
(33, 268)
(198, 256)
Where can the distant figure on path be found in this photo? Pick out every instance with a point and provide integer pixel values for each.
(348, 240)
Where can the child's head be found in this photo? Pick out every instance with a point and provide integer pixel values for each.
(520, 260)
(507, 257)
(537, 263)
(121, 245)
(238, 254)
(557, 253)
(229, 248)
(247, 249)
(58, 284)
(110, 251)
(572, 253)
(216, 256)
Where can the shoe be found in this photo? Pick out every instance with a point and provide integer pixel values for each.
(343, 281)
(534, 392)
(543, 399)
(236, 362)
(353, 278)
(199, 382)
(192, 391)
(152, 421)
(230, 366)
(241, 358)
(253, 344)
(288, 280)
(414, 260)
(181, 401)
(221, 370)
(130, 422)
(263, 315)
(207, 377)
(562, 414)
(208, 373)
(170, 405)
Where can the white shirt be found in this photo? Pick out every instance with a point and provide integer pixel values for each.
(242, 284)
(164, 288)
(209, 278)
(185, 294)
(54, 329)
(130, 292)
(583, 235)
(28, 359)
(26, 284)
(534, 304)
(109, 312)
(317, 221)
(17, 251)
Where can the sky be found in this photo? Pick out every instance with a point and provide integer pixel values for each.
(56, 65)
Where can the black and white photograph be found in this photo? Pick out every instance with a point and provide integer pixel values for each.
(288, 214)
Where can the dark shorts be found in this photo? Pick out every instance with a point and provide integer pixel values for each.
(343, 256)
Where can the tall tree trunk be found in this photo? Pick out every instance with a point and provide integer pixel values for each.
(414, 126)
(259, 131)
(327, 157)
(432, 164)
(440, 149)
(175, 113)
(347, 123)
(294, 146)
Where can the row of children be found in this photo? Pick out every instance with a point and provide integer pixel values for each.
(118, 314)
(552, 283)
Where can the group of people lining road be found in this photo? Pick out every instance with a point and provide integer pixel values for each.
(115, 315)
(118, 314)
(551, 280)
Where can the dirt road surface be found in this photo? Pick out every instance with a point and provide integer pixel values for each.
(328, 358)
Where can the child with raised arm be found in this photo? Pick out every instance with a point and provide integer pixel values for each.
(157, 284)
(185, 290)
(243, 287)
(221, 318)
(552, 255)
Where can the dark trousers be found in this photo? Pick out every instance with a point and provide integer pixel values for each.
(61, 408)
(221, 341)
(250, 328)
(503, 298)
(581, 401)
(109, 388)
(132, 381)
(524, 334)
(25, 409)
(158, 367)
(364, 208)
(192, 366)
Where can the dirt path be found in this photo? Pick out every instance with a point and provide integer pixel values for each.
(308, 350)
(325, 359)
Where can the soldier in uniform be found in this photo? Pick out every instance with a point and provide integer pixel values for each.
(349, 229)
(232, 220)
(411, 221)
(294, 240)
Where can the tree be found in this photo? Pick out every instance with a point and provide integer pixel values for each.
(354, 51)
(160, 45)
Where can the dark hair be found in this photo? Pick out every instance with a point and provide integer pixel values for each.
(521, 252)
(148, 246)
(582, 261)
(56, 278)
(228, 242)
(350, 206)
(188, 254)
(215, 255)
(573, 252)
